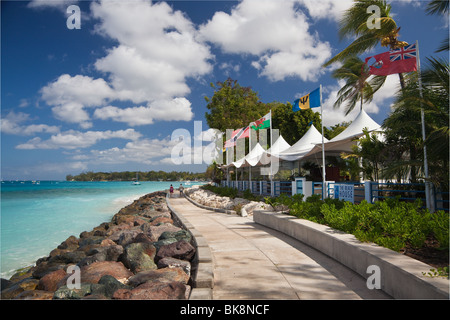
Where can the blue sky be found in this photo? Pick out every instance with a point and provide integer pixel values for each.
(108, 96)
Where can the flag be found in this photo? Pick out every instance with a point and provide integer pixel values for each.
(311, 100)
(237, 134)
(262, 123)
(394, 61)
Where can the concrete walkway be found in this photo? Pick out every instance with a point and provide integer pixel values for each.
(255, 262)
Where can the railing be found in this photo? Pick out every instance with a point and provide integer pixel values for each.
(408, 192)
(282, 187)
(256, 187)
(369, 191)
(442, 201)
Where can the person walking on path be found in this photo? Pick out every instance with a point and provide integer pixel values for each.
(181, 189)
(171, 190)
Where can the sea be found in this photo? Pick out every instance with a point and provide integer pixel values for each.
(36, 216)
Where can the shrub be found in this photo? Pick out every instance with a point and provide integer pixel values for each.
(392, 224)
(221, 191)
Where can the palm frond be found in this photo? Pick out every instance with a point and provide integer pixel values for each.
(437, 7)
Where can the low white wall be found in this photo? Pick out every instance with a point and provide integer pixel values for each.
(401, 276)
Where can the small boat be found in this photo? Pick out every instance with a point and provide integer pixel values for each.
(187, 183)
(136, 182)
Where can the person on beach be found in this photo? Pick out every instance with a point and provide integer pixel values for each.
(181, 189)
(171, 191)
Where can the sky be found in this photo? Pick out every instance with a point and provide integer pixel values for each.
(112, 93)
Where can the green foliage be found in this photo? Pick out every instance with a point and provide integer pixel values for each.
(293, 125)
(131, 175)
(392, 224)
(221, 191)
(439, 272)
(233, 106)
(247, 194)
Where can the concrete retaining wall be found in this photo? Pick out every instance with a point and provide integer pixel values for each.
(203, 274)
(401, 276)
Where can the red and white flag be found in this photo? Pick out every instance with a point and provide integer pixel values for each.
(394, 61)
(237, 134)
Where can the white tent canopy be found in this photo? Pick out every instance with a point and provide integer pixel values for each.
(279, 146)
(343, 142)
(310, 144)
(252, 158)
(303, 146)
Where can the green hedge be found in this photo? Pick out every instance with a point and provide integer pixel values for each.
(392, 224)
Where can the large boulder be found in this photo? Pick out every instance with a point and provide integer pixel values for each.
(45, 267)
(154, 232)
(65, 292)
(161, 275)
(169, 262)
(127, 236)
(68, 257)
(111, 285)
(23, 285)
(154, 291)
(180, 250)
(139, 256)
(71, 243)
(50, 281)
(35, 295)
(92, 273)
(178, 235)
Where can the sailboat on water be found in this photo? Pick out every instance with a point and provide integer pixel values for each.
(136, 182)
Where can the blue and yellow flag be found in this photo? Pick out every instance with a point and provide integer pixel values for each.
(311, 100)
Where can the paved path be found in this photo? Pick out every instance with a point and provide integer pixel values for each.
(255, 262)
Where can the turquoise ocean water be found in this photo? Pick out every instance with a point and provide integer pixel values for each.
(37, 216)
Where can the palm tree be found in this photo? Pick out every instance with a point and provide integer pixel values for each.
(354, 24)
(439, 7)
(403, 124)
(358, 87)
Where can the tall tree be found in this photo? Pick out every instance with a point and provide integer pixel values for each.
(355, 24)
(358, 86)
(233, 106)
(404, 123)
(293, 125)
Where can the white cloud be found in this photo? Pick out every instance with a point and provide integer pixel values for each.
(156, 52)
(326, 9)
(169, 110)
(74, 139)
(146, 151)
(12, 124)
(275, 32)
(382, 97)
(70, 95)
(57, 4)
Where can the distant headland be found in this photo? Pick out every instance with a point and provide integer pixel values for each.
(142, 176)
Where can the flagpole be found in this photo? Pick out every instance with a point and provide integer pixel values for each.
(324, 195)
(422, 115)
(271, 159)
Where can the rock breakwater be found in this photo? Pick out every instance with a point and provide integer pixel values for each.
(140, 254)
(241, 206)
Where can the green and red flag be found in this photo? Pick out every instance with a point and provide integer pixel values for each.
(262, 123)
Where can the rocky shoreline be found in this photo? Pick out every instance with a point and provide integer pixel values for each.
(140, 254)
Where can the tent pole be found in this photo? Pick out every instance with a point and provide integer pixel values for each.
(324, 184)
